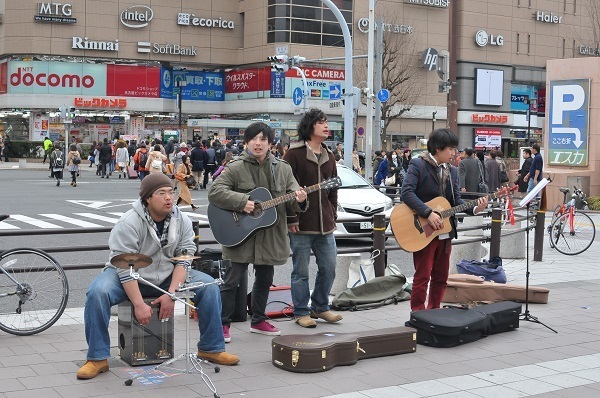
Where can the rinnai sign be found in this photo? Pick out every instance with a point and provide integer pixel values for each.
(169, 49)
(542, 16)
(54, 12)
(137, 16)
(191, 19)
(430, 3)
(363, 26)
(483, 39)
(489, 118)
(86, 44)
(110, 103)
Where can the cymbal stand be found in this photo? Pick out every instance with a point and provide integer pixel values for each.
(192, 362)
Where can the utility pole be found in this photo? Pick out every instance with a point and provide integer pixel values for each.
(369, 91)
(378, 78)
(180, 84)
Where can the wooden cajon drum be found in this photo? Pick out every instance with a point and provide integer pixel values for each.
(144, 344)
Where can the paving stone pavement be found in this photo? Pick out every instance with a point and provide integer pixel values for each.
(529, 361)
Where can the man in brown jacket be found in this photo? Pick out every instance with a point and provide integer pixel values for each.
(312, 163)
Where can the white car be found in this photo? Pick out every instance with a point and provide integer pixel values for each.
(356, 197)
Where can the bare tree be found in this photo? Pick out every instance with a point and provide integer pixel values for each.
(400, 75)
(593, 8)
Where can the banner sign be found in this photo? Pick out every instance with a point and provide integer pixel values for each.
(277, 84)
(132, 81)
(488, 138)
(199, 85)
(568, 112)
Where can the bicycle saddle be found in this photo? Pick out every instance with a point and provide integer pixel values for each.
(4, 217)
(564, 190)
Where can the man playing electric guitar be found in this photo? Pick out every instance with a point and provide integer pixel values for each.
(256, 167)
(430, 175)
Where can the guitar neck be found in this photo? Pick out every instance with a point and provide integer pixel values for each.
(287, 197)
(460, 208)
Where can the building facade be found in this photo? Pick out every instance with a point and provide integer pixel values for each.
(119, 66)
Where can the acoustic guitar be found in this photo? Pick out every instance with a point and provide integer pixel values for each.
(413, 232)
(232, 228)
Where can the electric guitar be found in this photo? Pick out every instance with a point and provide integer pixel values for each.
(232, 228)
(413, 232)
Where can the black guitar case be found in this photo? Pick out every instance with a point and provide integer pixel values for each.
(309, 353)
(500, 317)
(447, 327)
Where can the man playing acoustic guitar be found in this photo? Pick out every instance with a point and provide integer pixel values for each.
(256, 167)
(429, 176)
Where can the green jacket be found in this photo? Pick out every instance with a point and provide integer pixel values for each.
(230, 191)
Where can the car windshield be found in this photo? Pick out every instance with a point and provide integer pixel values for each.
(350, 179)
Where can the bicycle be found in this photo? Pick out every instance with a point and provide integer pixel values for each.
(33, 291)
(571, 232)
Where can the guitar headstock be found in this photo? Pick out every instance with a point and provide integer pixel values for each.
(503, 192)
(334, 182)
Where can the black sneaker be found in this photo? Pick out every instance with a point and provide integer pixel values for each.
(57, 183)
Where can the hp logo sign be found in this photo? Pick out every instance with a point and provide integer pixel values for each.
(429, 59)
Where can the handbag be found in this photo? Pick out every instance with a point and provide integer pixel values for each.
(490, 270)
(503, 173)
(362, 271)
(179, 177)
(190, 181)
(482, 187)
(391, 180)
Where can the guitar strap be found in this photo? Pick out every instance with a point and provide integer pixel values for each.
(273, 164)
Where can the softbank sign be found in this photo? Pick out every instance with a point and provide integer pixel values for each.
(33, 77)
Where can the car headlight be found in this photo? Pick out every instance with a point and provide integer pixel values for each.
(388, 205)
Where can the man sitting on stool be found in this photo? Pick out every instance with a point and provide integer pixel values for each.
(157, 228)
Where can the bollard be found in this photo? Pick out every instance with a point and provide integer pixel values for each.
(496, 232)
(22, 163)
(379, 244)
(538, 243)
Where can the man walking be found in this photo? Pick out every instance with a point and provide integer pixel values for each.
(469, 172)
(312, 162)
(535, 171)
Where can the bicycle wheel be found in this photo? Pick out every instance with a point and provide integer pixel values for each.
(33, 291)
(554, 217)
(572, 239)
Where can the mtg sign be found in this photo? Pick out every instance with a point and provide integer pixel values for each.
(54, 12)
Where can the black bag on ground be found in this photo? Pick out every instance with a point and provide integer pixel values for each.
(377, 292)
(211, 262)
(490, 270)
(501, 317)
(447, 327)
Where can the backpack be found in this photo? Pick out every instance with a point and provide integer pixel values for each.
(219, 155)
(144, 158)
(58, 160)
(377, 292)
(76, 160)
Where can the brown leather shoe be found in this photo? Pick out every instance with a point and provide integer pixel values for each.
(306, 322)
(327, 316)
(92, 369)
(220, 358)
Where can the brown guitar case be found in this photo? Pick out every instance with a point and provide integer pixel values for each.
(309, 353)
(465, 289)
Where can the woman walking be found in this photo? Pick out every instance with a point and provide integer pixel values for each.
(57, 163)
(73, 162)
(183, 172)
(122, 158)
(156, 160)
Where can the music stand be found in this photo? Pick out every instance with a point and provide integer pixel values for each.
(526, 201)
(192, 362)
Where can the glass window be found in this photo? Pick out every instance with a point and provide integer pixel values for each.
(304, 25)
(271, 2)
(279, 24)
(332, 28)
(311, 3)
(334, 41)
(306, 12)
(279, 11)
(328, 15)
(306, 38)
(278, 37)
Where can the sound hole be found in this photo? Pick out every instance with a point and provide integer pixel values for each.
(258, 211)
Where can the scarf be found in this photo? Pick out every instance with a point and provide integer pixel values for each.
(164, 238)
(443, 182)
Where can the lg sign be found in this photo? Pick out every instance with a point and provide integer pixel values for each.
(25, 77)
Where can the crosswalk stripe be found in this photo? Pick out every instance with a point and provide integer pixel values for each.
(98, 217)
(192, 215)
(5, 225)
(69, 220)
(116, 213)
(34, 222)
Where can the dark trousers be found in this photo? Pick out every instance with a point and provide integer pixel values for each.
(432, 265)
(263, 279)
(104, 168)
(73, 176)
(209, 168)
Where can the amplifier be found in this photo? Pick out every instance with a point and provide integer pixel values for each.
(144, 344)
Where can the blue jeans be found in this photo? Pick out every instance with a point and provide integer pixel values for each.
(106, 290)
(325, 250)
(530, 185)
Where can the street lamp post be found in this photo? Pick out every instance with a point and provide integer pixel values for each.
(433, 120)
(180, 84)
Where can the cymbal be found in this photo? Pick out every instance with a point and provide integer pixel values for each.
(126, 260)
(184, 257)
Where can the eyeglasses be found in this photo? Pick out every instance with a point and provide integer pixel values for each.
(162, 194)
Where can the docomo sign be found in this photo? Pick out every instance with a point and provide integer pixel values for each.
(26, 77)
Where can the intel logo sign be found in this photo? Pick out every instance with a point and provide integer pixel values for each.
(138, 16)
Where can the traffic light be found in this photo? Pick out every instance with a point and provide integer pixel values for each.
(279, 62)
(72, 112)
(355, 97)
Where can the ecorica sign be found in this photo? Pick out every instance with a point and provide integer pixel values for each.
(193, 20)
